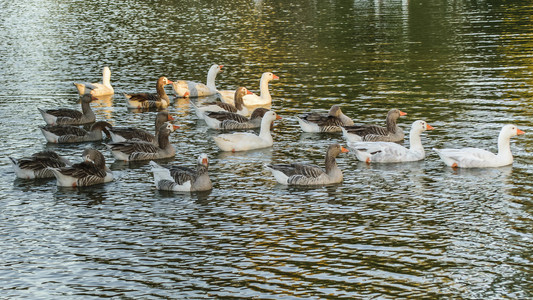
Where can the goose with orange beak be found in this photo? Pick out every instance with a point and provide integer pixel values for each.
(183, 179)
(480, 158)
(306, 174)
(390, 152)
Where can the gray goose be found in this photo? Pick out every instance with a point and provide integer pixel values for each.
(330, 122)
(62, 134)
(232, 121)
(89, 172)
(159, 100)
(36, 166)
(238, 108)
(121, 134)
(66, 116)
(373, 133)
(183, 179)
(306, 174)
(132, 150)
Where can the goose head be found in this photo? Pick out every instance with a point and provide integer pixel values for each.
(203, 160)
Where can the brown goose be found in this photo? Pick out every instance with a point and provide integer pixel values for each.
(374, 133)
(36, 166)
(305, 174)
(89, 172)
(331, 122)
(238, 108)
(131, 150)
(121, 134)
(66, 116)
(183, 179)
(149, 100)
(232, 121)
(61, 134)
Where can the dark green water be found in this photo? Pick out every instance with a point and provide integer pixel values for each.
(418, 230)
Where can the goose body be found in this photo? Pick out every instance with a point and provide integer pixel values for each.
(183, 179)
(242, 141)
(375, 133)
(67, 116)
(121, 134)
(97, 89)
(306, 174)
(231, 121)
(132, 150)
(184, 88)
(36, 166)
(331, 122)
(223, 106)
(390, 152)
(480, 158)
(89, 172)
(253, 100)
(62, 134)
(159, 100)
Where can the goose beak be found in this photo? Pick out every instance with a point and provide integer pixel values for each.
(248, 92)
(169, 82)
(519, 132)
(170, 118)
(344, 150)
(278, 117)
(175, 127)
(275, 77)
(186, 94)
(204, 161)
(429, 127)
(402, 113)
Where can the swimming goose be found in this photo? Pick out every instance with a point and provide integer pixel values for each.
(36, 166)
(253, 100)
(374, 133)
(67, 116)
(62, 134)
(131, 150)
(223, 106)
(150, 100)
(232, 121)
(306, 174)
(97, 89)
(197, 89)
(242, 141)
(389, 152)
(331, 122)
(89, 172)
(183, 179)
(121, 134)
(479, 158)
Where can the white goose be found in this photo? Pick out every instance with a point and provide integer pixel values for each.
(253, 100)
(479, 158)
(89, 172)
(36, 166)
(97, 89)
(389, 152)
(184, 88)
(242, 141)
(305, 174)
(183, 179)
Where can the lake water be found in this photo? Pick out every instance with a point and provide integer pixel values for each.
(418, 230)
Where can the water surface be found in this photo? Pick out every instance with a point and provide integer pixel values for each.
(418, 230)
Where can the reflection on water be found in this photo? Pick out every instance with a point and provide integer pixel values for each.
(418, 230)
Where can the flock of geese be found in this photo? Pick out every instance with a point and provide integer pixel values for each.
(235, 110)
